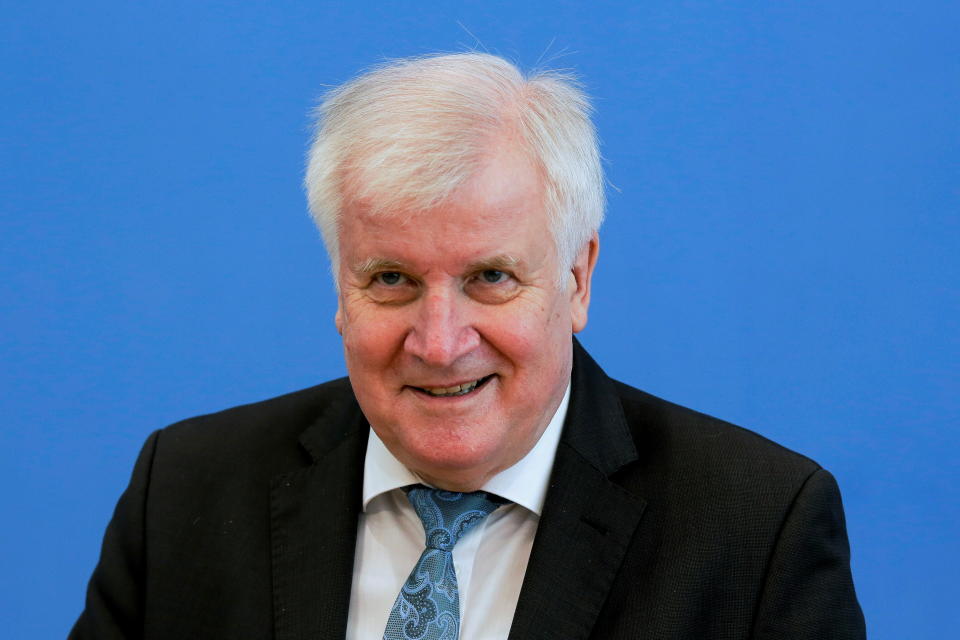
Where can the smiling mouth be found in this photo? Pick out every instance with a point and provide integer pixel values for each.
(456, 390)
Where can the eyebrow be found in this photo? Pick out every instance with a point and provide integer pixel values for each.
(372, 265)
(497, 263)
(502, 262)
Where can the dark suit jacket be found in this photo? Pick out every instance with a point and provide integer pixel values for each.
(659, 523)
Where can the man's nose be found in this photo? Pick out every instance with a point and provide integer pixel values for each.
(441, 331)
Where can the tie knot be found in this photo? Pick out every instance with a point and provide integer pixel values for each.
(447, 515)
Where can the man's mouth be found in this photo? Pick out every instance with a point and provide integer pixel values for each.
(455, 390)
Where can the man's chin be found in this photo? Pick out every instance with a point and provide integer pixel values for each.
(464, 467)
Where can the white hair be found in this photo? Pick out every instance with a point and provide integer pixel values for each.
(405, 135)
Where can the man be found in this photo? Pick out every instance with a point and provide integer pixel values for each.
(460, 202)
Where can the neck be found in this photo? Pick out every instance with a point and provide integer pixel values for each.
(456, 482)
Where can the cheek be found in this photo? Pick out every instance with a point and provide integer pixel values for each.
(531, 341)
(543, 341)
(369, 342)
(541, 323)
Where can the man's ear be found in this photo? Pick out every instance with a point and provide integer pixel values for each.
(338, 316)
(582, 274)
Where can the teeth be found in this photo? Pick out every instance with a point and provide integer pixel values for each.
(455, 390)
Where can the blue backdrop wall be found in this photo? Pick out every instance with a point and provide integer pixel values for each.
(780, 250)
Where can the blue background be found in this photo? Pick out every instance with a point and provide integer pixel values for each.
(780, 249)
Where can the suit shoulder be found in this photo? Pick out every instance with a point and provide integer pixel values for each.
(255, 429)
(695, 439)
(296, 404)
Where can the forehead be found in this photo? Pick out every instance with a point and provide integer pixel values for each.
(499, 211)
(452, 240)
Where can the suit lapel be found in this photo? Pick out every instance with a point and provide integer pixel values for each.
(587, 521)
(313, 518)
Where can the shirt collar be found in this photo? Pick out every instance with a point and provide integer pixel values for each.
(525, 483)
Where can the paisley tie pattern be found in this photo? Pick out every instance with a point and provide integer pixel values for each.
(428, 607)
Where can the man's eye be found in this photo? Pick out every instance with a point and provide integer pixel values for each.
(492, 276)
(389, 278)
(492, 286)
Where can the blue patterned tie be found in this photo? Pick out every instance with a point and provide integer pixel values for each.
(428, 607)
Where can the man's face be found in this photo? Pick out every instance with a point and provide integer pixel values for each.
(456, 334)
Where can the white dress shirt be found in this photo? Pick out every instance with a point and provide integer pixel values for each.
(490, 559)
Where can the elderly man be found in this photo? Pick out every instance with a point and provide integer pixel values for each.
(478, 476)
